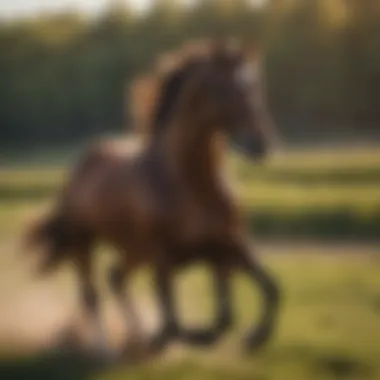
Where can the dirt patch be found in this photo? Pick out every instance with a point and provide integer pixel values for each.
(33, 319)
(41, 317)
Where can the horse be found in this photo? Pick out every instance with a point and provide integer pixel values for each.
(168, 206)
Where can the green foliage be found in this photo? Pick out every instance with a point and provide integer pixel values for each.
(64, 77)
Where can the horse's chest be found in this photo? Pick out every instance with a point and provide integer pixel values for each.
(152, 202)
(205, 220)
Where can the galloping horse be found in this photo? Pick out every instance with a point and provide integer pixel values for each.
(167, 205)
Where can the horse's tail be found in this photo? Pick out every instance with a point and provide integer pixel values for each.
(52, 233)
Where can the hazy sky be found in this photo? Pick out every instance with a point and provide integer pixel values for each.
(17, 8)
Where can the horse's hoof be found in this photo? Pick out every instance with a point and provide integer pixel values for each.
(255, 341)
(135, 351)
(69, 341)
(159, 342)
(104, 357)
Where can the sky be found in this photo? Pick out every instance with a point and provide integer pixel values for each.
(23, 8)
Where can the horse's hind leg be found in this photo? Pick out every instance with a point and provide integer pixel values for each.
(246, 261)
(90, 298)
(163, 277)
(116, 278)
(171, 329)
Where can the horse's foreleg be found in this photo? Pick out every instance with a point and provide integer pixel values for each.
(163, 277)
(224, 313)
(250, 265)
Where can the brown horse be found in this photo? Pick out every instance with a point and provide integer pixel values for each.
(167, 206)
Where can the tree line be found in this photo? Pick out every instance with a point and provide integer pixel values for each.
(64, 77)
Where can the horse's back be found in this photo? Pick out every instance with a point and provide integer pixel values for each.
(112, 189)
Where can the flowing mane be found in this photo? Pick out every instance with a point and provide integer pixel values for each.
(153, 95)
(170, 91)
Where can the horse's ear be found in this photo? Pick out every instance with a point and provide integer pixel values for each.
(141, 100)
(168, 62)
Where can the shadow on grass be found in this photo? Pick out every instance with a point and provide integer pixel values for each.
(70, 366)
(64, 366)
(49, 366)
(322, 363)
(185, 370)
(341, 367)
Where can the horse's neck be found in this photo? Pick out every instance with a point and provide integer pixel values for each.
(195, 155)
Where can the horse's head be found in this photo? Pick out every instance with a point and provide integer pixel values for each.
(221, 85)
(227, 87)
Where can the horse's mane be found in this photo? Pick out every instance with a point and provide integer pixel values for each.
(154, 94)
(170, 90)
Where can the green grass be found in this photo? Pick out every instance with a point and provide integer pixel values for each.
(329, 326)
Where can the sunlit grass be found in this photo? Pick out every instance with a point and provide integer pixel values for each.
(328, 329)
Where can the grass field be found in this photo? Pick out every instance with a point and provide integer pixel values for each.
(329, 326)
(328, 329)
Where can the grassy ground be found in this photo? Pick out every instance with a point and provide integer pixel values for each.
(329, 326)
